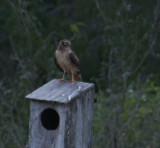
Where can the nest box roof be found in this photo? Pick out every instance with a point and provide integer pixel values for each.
(60, 91)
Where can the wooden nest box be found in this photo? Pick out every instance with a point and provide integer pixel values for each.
(61, 115)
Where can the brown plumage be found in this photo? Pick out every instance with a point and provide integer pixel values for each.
(67, 61)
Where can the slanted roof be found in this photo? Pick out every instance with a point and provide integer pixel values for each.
(59, 91)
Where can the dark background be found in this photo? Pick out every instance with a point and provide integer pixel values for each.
(117, 42)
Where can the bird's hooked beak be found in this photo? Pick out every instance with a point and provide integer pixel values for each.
(65, 43)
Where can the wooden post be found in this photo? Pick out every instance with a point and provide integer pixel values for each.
(61, 115)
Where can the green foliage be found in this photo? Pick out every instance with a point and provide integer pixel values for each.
(133, 123)
(117, 44)
(74, 28)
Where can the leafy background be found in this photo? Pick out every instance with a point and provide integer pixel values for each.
(117, 42)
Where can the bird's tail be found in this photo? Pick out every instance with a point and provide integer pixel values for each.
(78, 77)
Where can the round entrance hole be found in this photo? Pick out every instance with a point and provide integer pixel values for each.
(50, 119)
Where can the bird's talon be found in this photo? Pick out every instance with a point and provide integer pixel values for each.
(62, 79)
(72, 80)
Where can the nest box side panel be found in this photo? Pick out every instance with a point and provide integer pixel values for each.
(79, 115)
(85, 116)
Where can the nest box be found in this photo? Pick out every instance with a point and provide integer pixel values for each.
(61, 115)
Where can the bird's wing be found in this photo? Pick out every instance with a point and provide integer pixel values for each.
(55, 60)
(74, 61)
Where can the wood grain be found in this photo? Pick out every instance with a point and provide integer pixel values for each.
(60, 91)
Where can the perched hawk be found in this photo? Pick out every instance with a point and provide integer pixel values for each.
(67, 61)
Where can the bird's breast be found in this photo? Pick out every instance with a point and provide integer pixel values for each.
(63, 61)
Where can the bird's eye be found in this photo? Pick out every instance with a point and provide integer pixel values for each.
(64, 43)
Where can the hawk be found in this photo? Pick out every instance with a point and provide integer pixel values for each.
(67, 61)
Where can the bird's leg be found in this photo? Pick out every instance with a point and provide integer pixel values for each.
(63, 76)
(72, 80)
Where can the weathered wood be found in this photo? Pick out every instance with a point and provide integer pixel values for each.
(74, 104)
(59, 91)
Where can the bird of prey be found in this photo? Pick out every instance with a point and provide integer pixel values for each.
(67, 61)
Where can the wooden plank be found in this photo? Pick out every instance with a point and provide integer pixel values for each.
(39, 137)
(58, 91)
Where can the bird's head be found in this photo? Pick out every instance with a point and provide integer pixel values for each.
(64, 43)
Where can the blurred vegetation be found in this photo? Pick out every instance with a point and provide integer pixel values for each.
(117, 42)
